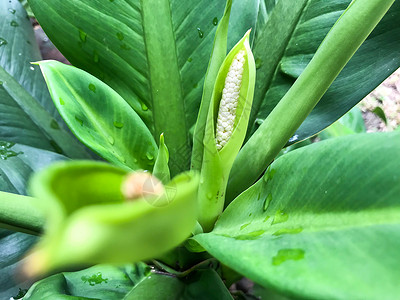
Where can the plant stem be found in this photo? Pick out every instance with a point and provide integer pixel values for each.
(342, 41)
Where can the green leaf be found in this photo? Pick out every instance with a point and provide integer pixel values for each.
(99, 117)
(153, 54)
(380, 113)
(201, 284)
(322, 223)
(14, 173)
(288, 41)
(89, 220)
(98, 282)
(27, 114)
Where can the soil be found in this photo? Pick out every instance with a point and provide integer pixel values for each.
(387, 97)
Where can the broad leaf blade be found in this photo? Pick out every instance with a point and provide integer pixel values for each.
(26, 112)
(14, 174)
(201, 284)
(154, 55)
(98, 282)
(311, 226)
(310, 21)
(99, 117)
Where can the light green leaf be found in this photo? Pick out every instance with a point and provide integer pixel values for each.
(288, 41)
(154, 54)
(322, 223)
(98, 282)
(99, 117)
(89, 220)
(26, 112)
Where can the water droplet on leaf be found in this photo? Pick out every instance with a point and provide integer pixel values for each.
(82, 35)
(190, 59)
(118, 125)
(144, 107)
(244, 226)
(3, 42)
(95, 56)
(120, 36)
(80, 121)
(288, 231)
(54, 124)
(11, 10)
(61, 101)
(111, 140)
(267, 201)
(92, 87)
(14, 23)
(287, 254)
(215, 21)
(280, 217)
(201, 34)
(259, 63)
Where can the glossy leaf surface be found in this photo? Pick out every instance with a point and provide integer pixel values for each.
(289, 39)
(89, 220)
(98, 282)
(27, 115)
(312, 225)
(14, 173)
(153, 54)
(99, 117)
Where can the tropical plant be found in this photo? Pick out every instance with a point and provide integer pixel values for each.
(176, 185)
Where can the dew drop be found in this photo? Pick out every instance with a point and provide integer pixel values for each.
(14, 23)
(280, 217)
(287, 254)
(92, 87)
(54, 124)
(209, 195)
(244, 226)
(288, 231)
(80, 121)
(125, 47)
(95, 56)
(3, 42)
(82, 35)
(144, 107)
(118, 125)
(266, 218)
(120, 36)
(215, 21)
(267, 201)
(259, 63)
(5, 151)
(12, 10)
(293, 138)
(190, 59)
(201, 34)
(111, 140)
(61, 101)
(32, 68)
(149, 156)
(111, 0)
